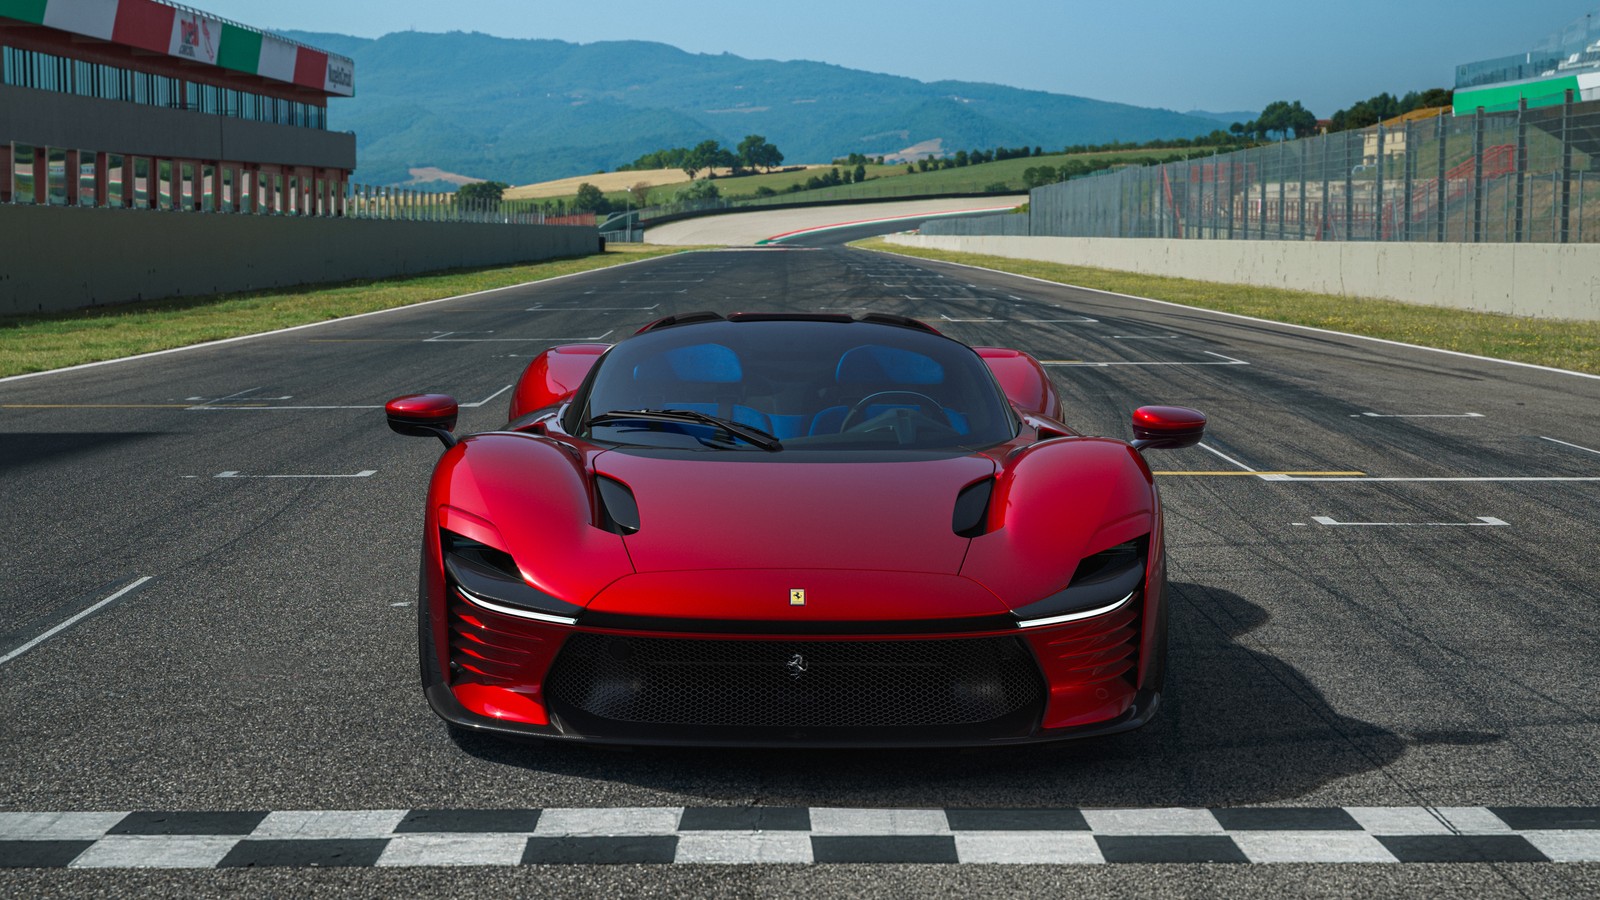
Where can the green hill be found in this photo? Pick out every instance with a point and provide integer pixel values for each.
(529, 110)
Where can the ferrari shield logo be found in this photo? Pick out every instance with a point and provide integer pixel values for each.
(797, 596)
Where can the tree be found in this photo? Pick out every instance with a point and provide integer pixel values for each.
(640, 193)
(591, 199)
(860, 173)
(697, 190)
(756, 152)
(482, 191)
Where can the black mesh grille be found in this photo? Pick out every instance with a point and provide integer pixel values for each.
(795, 683)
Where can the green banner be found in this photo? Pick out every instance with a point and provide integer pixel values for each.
(1504, 97)
(26, 10)
(240, 50)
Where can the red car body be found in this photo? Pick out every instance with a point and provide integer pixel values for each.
(855, 588)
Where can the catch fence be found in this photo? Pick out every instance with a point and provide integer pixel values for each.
(1518, 176)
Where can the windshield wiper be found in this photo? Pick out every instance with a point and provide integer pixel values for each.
(748, 433)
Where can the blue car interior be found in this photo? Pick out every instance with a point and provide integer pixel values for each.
(710, 378)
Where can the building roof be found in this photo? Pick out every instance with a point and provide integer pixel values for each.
(185, 33)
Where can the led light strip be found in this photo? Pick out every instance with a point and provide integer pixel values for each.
(514, 611)
(1073, 617)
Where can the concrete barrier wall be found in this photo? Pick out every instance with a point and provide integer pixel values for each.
(61, 258)
(1560, 281)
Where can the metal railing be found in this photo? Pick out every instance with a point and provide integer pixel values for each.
(1520, 176)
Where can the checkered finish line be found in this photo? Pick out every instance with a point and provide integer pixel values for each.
(510, 837)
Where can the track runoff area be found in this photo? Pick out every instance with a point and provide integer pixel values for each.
(1383, 626)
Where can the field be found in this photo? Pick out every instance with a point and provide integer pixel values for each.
(882, 181)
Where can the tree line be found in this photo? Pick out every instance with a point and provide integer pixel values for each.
(752, 153)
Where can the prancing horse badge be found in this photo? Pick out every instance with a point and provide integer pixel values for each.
(797, 596)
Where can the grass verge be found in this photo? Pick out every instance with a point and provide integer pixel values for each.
(1545, 342)
(37, 343)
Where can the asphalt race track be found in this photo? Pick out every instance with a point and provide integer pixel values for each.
(1400, 655)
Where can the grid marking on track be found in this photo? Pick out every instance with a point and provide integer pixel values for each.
(751, 835)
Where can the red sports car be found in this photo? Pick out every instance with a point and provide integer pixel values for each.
(776, 529)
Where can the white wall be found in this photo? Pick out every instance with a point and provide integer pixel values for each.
(1560, 281)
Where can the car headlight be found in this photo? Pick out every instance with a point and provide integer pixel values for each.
(1102, 583)
(487, 577)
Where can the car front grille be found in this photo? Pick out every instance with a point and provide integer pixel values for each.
(613, 684)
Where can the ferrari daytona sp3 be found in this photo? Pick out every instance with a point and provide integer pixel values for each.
(783, 529)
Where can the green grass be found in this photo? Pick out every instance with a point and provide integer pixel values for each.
(893, 180)
(1545, 342)
(38, 343)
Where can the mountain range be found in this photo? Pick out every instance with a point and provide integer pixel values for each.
(520, 111)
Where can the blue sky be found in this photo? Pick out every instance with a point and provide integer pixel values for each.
(1180, 55)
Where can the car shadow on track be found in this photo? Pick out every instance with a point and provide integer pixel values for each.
(1238, 726)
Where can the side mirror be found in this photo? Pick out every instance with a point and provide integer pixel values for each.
(424, 415)
(1167, 427)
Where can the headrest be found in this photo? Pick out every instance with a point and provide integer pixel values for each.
(697, 362)
(873, 364)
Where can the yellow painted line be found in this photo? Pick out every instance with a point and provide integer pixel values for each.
(123, 406)
(1255, 474)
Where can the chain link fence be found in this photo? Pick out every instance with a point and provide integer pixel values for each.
(1520, 176)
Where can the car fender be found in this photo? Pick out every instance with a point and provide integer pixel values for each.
(537, 499)
(553, 377)
(1023, 379)
(1054, 503)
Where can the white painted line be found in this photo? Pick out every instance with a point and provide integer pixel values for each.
(610, 292)
(138, 582)
(1566, 846)
(593, 308)
(986, 319)
(1077, 319)
(233, 396)
(205, 408)
(364, 473)
(376, 312)
(1373, 415)
(1483, 521)
(1214, 312)
(1144, 822)
(1392, 820)
(732, 847)
(1028, 848)
(664, 281)
(1311, 847)
(1146, 337)
(336, 823)
(1223, 456)
(1565, 444)
(828, 820)
(57, 826)
(444, 338)
(454, 850)
(151, 851)
(486, 399)
(1229, 361)
(1473, 820)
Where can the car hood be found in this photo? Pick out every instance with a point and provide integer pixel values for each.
(741, 511)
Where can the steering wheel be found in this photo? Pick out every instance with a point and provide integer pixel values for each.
(924, 405)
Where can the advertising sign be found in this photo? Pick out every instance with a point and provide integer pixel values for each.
(195, 37)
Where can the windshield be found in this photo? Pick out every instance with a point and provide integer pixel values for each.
(809, 385)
